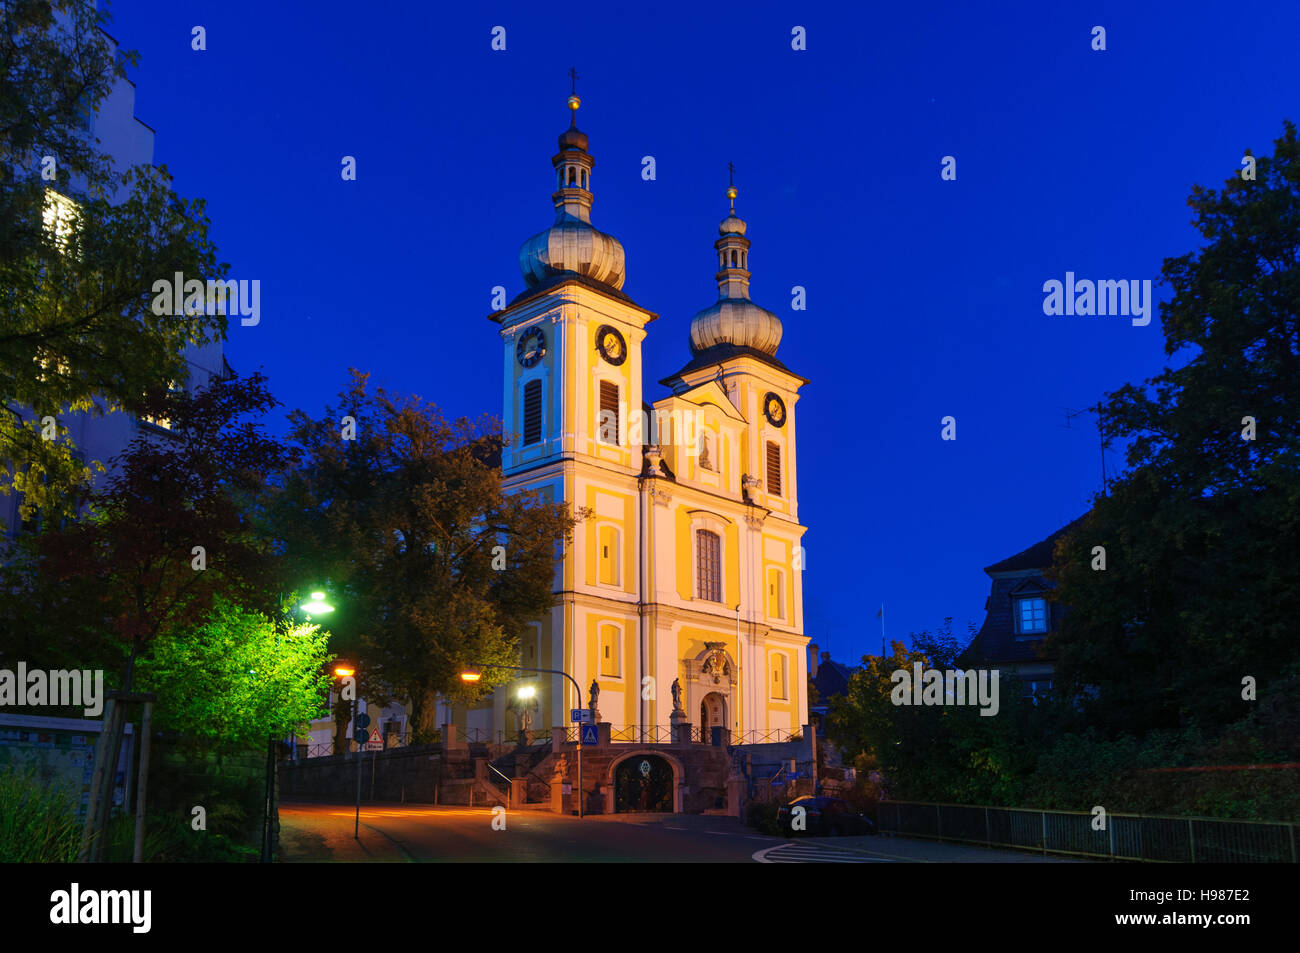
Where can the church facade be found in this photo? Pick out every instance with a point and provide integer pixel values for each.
(681, 590)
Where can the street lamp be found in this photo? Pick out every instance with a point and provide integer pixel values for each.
(317, 605)
(472, 674)
(346, 670)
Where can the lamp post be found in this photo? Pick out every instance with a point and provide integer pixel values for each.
(319, 606)
(344, 671)
(472, 674)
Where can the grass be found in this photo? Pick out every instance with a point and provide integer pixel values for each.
(38, 822)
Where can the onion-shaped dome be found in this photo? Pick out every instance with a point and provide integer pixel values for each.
(573, 245)
(736, 321)
(733, 318)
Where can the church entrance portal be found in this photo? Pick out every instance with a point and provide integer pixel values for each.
(713, 711)
(643, 783)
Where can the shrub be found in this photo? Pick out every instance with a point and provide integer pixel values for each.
(762, 816)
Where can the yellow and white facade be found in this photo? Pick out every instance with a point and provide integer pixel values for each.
(686, 563)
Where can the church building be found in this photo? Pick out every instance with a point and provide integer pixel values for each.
(682, 589)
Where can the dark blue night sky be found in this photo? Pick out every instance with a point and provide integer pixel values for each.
(924, 296)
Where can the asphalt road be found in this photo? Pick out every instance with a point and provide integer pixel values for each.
(419, 833)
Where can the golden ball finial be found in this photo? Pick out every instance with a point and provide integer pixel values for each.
(574, 102)
(732, 192)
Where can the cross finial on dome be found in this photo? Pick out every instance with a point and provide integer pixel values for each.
(574, 101)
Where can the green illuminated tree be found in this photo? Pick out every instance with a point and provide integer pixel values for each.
(238, 677)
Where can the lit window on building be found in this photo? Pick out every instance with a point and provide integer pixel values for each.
(1031, 615)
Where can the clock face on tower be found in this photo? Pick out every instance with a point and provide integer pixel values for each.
(611, 345)
(774, 409)
(531, 347)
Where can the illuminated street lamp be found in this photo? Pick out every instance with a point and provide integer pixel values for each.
(317, 605)
(472, 674)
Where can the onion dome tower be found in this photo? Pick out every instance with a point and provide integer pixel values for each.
(572, 245)
(734, 319)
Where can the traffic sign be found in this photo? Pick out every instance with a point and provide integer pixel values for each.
(580, 715)
(589, 735)
(376, 741)
(359, 725)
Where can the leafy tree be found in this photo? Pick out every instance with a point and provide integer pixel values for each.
(104, 588)
(81, 244)
(1201, 586)
(934, 752)
(238, 677)
(407, 516)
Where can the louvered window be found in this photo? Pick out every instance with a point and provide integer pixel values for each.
(532, 412)
(607, 424)
(709, 571)
(773, 468)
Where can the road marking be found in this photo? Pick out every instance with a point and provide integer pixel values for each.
(380, 813)
(667, 828)
(814, 854)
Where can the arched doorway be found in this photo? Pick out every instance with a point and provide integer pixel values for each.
(643, 783)
(713, 711)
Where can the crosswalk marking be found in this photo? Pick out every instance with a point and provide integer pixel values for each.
(814, 854)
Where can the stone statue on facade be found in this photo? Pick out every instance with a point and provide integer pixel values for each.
(593, 700)
(677, 695)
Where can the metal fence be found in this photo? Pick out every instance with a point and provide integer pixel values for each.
(1123, 837)
(775, 736)
(663, 735)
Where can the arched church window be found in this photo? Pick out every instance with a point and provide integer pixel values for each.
(573, 176)
(708, 547)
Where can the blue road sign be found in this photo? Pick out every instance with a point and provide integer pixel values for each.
(580, 716)
(589, 736)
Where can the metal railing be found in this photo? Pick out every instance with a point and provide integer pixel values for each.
(663, 735)
(500, 778)
(1142, 837)
(621, 734)
(774, 736)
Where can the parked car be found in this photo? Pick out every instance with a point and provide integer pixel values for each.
(827, 816)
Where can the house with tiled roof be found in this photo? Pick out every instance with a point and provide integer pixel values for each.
(1020, 616)
(829, 678)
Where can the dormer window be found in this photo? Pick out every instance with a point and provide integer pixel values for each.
(1031, 615)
